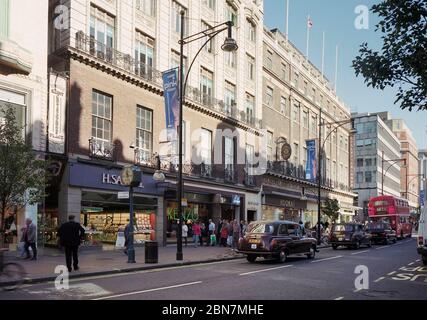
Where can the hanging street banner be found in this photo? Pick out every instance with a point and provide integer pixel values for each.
(171, 94)
(57, 111)
(311, 166)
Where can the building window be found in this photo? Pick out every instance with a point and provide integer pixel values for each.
(269, 60)
(176, 18)
(102, 105)
(296, 79)
(209, 3)
(206, 146)
(313, 94)
(269, 146)
(102, 31)
(249, 159)
(144, 133)
(146, 6)
(144, 55)
(251, 31)
(210, 45)
(206, 86)
(284, 72)
(175, 61)
(229, 157)
(269, 93)
(296, 153)
(368, 176)
(296, 113)
(250, 107)
(251, 67)
(18, 103)
(305, 87)
(231, 15)
(283, 105)
(230, 96)
(230, 59)
(359, 163)
(313, 125)
(305, 119)
(359, 177)
(368, 162)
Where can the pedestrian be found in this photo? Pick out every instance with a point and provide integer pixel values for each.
(244, 228)
(236, 233)
(218, 231)
(71, 234)
(224, 233)
(30, 236)
(211, 228)
(196, 233)
(230, 233)
(203, 232)
(127, 235)
(185, 232)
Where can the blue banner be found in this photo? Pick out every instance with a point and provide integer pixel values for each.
(422, 197)
(311, 166)
(171, 94)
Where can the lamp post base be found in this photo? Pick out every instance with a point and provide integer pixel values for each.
(179, 256)
(131, 256)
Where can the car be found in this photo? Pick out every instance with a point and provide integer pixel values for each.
(276, 239)
(381, 232)
(351, 235)
(422, 236)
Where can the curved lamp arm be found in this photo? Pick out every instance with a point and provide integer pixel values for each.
(335, 129)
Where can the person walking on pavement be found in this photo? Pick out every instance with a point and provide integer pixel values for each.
(127, 235)
(224, 233)
(196, 233)
(30, 237)
(185, 232)
(218, 231)
(71, 234)
(236, 233)
(211, 228)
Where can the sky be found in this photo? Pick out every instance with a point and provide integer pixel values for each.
(337, 19)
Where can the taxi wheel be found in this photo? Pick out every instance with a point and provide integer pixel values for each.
(283, 256)
(251, 258)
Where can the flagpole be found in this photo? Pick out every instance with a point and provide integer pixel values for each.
(336, 68)
(287, 20)
(308, 35)
(323, 54)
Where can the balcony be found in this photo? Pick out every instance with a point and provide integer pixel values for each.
(101, 149)
(230, 174)
(286, 168)
(249, 179)
(219, 106)
(116, 59)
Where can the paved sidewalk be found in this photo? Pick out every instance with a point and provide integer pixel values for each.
(97, 262)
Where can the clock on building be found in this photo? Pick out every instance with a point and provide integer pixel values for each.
(131, 176)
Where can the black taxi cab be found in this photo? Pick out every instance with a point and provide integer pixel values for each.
(276, 239)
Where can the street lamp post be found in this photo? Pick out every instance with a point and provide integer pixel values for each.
(320, 156)
(229, 45)
(408, 183)
(394, 161)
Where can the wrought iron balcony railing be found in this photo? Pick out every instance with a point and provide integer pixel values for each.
(230, 173)
(116, 58)
(101, 149)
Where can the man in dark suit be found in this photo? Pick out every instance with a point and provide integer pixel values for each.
(71, 234)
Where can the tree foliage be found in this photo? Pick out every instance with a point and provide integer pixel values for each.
(23, 175)
(402, 60)
(331, 209)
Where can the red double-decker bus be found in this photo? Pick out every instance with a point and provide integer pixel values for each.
(393, 210)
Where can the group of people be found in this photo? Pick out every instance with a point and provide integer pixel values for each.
(70, 234)
(225, 233)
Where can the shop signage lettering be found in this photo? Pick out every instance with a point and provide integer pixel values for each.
(111, 179)
(188, 214)
(287, 203)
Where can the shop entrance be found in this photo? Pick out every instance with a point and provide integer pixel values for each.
(227, 212)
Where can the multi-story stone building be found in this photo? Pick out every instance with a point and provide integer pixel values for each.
(409, 175)
(377, 170)
(295, 96)
(23, 75)
(114, 52)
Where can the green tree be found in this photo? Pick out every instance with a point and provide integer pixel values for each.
(401, 62)
(23, 175)
(331, 209)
